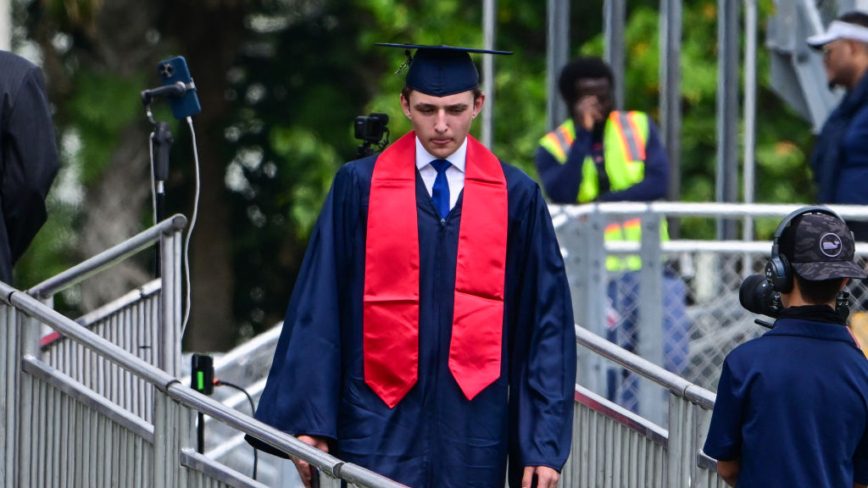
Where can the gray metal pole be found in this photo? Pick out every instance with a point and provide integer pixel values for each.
(595, 299)
(615, 18)
(6, 25)
(170, 303)
(750, 102)
(670, 96)
(489, 9)
(10, 366)
(727, 110)
(650, 326)
(557, 54)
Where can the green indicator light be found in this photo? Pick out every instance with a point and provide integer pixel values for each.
(200, 379)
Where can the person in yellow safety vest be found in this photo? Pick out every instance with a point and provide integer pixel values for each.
(603, 155)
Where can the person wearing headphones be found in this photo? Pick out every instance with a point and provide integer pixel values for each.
(792, 405)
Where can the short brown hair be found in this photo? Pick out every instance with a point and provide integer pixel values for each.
(818, 292)
(406, 91)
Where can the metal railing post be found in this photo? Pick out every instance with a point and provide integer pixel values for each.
(687, 427)
(170, 303)
(651, 334)
(173, 431)
(675, 445)
(574, 238)
(10, 374)
(164, 452)
(595, 294)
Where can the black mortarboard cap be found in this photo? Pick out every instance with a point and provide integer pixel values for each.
(442, 70)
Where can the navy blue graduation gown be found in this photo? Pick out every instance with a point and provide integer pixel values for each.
(434, 437)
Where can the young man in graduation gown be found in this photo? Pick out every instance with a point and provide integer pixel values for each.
(430, 334)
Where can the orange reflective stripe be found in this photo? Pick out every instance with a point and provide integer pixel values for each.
(628, 136)
(625, 145)
(613, 228)
(640, 141)
(632, 223)
(554, 144)
(617, 226)
(567, 137)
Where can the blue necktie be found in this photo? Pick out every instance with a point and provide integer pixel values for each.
(440, 191)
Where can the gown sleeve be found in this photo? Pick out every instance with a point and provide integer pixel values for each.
(724, 438)
(29, 163)
(546, 346)
(302, 392)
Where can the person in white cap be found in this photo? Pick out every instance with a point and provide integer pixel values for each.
(840, 158)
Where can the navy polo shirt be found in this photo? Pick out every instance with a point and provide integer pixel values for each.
(792, 405)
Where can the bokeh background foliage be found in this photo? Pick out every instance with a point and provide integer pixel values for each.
(280, 82)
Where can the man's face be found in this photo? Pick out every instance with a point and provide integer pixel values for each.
(601, 90)
(836, 60)
(441, 123)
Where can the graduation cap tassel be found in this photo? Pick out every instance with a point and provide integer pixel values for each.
(406, 63)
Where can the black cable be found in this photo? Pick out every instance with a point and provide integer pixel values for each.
(219, 382)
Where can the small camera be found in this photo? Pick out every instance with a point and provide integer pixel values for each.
(371, 128)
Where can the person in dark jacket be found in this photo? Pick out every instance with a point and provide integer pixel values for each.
(840, 158)
(792, 405)
(28, 157)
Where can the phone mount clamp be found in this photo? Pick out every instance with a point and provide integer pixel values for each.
(161, 144)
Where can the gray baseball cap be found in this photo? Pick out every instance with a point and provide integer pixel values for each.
(820, 247)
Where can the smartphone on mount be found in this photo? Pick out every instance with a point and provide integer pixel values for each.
(172, 71)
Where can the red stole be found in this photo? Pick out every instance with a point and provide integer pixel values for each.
(391, 296)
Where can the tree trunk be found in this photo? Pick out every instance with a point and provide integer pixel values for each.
(210, 45)
(116, 202)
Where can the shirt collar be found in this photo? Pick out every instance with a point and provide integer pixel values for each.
(457, 159)
(815, 330)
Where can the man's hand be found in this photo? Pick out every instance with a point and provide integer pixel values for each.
(728, 470)
(304, 469)
(586, 112)
(545, 477)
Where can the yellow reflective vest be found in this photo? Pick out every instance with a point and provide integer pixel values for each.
(624, 141)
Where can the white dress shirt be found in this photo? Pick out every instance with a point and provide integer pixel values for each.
(454, 174)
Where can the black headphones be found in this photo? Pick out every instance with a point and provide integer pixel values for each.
(779, 273)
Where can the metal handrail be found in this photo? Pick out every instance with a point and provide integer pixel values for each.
(688, 209)
(671, 381)
(149, 289)
(187, 396)
(684, 245)
(107, 258)
(107, 310)
(192, 459)
(66, 326)
(631, 420)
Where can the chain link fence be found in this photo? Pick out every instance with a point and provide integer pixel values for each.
(719, 323)
(681, 310)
